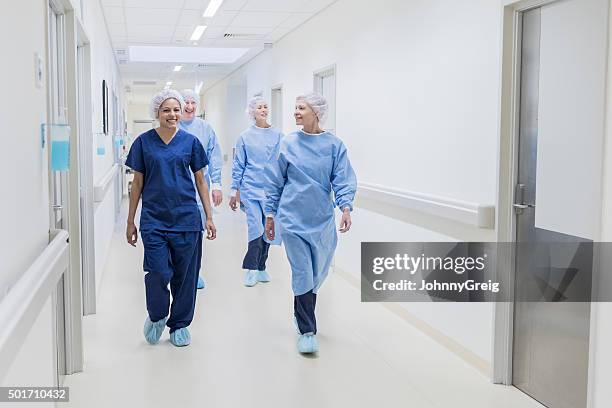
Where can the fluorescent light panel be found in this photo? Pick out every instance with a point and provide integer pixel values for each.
(212, 8)
(185, 55)
(197, 33)
(177, 68)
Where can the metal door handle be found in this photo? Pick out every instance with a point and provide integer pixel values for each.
(523, 206)
(58, 207)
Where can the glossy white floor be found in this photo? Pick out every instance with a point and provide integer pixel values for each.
(243, 351)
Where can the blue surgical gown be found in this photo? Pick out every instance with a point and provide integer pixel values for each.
(168, 194)
(254, 148)
(299, 184)
(206, 135)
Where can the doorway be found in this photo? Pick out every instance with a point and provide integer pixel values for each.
(325, 84)
(64, 184)
(88, 265)
(551, 339)
(277, 107)
(550, 194)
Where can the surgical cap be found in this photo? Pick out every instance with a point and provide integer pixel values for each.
(317, 102)
(252, 106)
(190, 94)
(161, 97)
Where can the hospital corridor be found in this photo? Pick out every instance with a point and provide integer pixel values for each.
(306, 203)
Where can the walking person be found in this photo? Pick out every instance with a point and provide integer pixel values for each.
(163, 160)
(308, 166)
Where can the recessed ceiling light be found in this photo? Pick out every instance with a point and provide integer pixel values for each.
(197, 33)
(212, 8)
(177, 68)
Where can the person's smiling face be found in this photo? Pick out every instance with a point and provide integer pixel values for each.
(304, 115)
(190, 109)
(261, 111)
(169, 113)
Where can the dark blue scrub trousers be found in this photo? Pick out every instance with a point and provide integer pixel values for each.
(171, 258)
(304, 310)
(257, 255)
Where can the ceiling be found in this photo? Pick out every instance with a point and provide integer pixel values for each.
(252, 23)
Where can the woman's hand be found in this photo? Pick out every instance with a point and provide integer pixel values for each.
(217, 197)
(131, 233)
(211, 230)
(269, 229)
(345, 222)
(234, 201)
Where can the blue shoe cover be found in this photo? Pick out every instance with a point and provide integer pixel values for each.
(180, 337)
(308, 344)
(250, 278)
(263, 276)
(153, 330)
(201, 283)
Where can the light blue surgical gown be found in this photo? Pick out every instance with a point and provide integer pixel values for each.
(299, 185)
(254, 148)
(206, 135)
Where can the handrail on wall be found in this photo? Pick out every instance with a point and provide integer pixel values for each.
(101, 188)
(478, 215)
(24, 301)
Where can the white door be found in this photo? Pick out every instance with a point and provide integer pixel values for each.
(325, 84)
(277, 108)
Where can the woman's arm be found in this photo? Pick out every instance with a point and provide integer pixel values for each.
(276, 178)
(131, 231)
(211, 230)
(238, 166)
(344, 184)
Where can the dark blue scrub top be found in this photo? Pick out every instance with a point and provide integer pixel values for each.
(168, 195)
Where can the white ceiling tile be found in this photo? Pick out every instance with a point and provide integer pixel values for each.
(263, 19)
(117, 30)
(119, 42)
(112, 3)
(274, 5)
(195, 4)
(233, 42)
(314, 6)
(206, 42)
(278, 33)
(153, 31)
(151, 16)
(183, 32)
(295, 20)
(191, 18)
(152, 4)
(249, 30)
(114, 15)
(214, 32)
(233, 5)
(223, 18)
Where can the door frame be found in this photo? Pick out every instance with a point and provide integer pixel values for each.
(279, 120)
(67, 299)
(317, 85)
(86, 171)
(503, 330)
(507, 176)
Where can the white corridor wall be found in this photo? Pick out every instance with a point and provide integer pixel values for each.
(104, 67)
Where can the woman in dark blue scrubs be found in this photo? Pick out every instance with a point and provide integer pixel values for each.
(170, 223)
